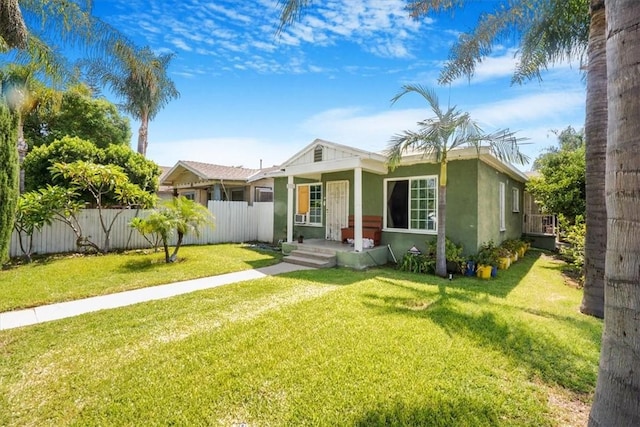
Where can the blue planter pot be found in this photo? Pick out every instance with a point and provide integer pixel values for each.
(471, 269)
(494, 271)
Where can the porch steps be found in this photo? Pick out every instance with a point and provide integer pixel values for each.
(312, 257)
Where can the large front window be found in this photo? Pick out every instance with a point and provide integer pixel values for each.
(412, 204)
(309, 204)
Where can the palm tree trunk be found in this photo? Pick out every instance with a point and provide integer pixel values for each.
(441, 259)
(22, 151)
(596, 147)
(617, 400)
(143, 134)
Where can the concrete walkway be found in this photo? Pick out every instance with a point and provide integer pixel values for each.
(46, 313)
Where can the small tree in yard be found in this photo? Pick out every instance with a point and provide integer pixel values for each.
(102, 180)
(180, 216)
(33, 212)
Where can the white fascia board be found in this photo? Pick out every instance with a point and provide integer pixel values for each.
(335, 166)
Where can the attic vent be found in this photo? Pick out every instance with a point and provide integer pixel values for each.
(317, 153)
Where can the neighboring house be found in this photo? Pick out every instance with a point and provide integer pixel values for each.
(317, 189)
(204, 181)
(165, 192)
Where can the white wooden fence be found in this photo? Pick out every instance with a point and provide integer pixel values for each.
(233, 222)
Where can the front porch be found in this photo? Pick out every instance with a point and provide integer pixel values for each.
(346, 255)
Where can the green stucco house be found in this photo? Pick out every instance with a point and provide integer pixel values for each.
(321, 186)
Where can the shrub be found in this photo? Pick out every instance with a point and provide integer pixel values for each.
(573, 253)
(488, 254)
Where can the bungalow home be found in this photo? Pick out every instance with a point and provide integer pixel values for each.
(205, 181)
(327, 190)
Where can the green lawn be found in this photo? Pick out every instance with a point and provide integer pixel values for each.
(326, 347)
(69, 277)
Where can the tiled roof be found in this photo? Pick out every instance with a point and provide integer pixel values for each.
(211, 171)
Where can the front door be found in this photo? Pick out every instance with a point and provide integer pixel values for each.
(337, 209)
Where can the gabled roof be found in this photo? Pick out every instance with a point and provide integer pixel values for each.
(208, 172)
(335, 157)
(164, 188)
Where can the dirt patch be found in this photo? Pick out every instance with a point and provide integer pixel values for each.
(569, 408)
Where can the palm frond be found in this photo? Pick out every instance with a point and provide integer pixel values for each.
(559, 32)
(472, 47)
(291, 12)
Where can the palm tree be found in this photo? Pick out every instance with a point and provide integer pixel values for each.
(140, 78)
(69, 22)
(550, 31)
(180, 216)
(617, 401)
(437, 136)
(13, 30)
(24, 93)
(554, 31)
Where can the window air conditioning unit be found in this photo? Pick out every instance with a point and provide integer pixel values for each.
(300, 219)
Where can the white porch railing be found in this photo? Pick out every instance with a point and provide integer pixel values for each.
(540, 224)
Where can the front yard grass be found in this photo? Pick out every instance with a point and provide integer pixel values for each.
(60, 278)
(326, 347)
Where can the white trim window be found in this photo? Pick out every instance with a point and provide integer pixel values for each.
(503, 222)
(515, 199)
(309, 202)
(411, 204)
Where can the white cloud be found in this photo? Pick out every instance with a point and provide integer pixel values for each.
(530, 108)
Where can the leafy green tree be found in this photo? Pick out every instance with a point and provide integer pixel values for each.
(38, 162)
(35, 210)
(179, 216)
(102, 181)
(141, 79)
(561, 188)
(8, 179)
(140, 171)
(448, 130)
(78, 115)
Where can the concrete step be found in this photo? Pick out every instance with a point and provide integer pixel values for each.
(322, 255)
(311, 258)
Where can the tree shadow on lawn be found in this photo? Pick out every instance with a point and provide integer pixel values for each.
(544, 355)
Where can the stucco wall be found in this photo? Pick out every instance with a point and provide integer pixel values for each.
(489, 204)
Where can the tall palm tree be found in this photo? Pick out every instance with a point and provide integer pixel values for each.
(617, 400)
(140, 78)
(437, 136)
(554, 31)
(24, 93)
(549, 31)
(596, 148)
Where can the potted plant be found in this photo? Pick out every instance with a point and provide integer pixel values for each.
(487, 259)
(504, 258)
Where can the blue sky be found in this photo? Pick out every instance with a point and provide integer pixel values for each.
(249, 96)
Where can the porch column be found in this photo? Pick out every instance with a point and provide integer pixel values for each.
(290, 187)
(357, 209)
